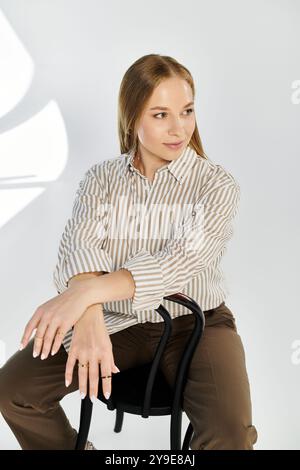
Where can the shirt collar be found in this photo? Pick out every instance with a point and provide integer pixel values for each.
(179, 168)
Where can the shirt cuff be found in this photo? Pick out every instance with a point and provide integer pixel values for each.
(148, 278)
(85, 260)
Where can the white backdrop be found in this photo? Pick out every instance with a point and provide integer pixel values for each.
(62, 62)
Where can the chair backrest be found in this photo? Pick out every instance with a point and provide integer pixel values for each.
(192, 341)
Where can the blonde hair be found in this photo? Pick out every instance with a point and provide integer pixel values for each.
(137, 86)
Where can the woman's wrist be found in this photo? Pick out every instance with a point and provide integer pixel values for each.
(82, 283)
(114, 286)
(93, 314)
(84, 288)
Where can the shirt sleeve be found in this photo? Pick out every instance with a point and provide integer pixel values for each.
(200, 239)
(81, 245)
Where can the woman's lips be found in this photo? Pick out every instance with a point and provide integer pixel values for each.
(174, 146)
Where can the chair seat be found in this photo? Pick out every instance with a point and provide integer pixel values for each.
(128, 391)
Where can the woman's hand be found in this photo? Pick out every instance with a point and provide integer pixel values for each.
(91, 345)
(53, 319)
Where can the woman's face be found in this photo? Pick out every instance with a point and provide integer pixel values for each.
(158, 127)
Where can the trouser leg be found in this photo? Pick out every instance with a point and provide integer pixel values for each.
(217, 392)
(30, 391)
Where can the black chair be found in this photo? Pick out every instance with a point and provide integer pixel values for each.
(144, 391)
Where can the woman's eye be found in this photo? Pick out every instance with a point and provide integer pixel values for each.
(190, 112)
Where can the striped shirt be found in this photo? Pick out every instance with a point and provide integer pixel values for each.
(170, 234)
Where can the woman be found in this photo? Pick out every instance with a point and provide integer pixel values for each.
(150, 223)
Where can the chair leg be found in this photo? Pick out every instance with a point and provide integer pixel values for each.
(187, 437)
(85, 422)
(119, 420)
(176, 421)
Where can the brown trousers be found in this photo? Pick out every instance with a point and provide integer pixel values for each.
(216, 396)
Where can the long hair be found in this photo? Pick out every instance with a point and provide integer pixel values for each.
(137, 86)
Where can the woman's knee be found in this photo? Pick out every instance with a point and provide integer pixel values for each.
(12, 375)
(237, 436)
(6, 387)
(234, 436)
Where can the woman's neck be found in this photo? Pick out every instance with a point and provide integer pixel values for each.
(146, 170)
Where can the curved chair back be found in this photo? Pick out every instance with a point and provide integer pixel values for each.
(181, 375)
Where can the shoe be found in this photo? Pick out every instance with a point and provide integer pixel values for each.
(89, 446)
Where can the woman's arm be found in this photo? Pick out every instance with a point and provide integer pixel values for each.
(84, 276)
(81, 248)
(96, 308)
(90, 331)
(118, 285)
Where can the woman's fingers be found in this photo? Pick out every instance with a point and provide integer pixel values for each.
(106, 373)
(93, 379)
(83, 374)
(53, 331)
(70, 368)
(39, 338)
(89, 373)
(31, 325)
(60, 334)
